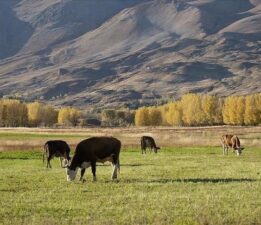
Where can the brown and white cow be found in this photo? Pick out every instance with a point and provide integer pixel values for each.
(92, 150)
(232, 141)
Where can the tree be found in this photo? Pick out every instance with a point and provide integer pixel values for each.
(68, 116)
(154, 116)
(35, 113)
(14, 113)
(108, 117)
(142, 117)
(50, 116)
(164, 113)
(251, 111)
(233, 110)
(192, 112)
(74, 116)
(174, 115)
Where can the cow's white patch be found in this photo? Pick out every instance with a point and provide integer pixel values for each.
(85, 165)
(238, 151)
(114, 172)
(71, 174)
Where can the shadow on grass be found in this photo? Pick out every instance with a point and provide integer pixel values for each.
(16, 158)
(130, 165)
(204, 180)
(136, 164)
(190, 180)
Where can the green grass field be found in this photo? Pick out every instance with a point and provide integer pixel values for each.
(175, 186)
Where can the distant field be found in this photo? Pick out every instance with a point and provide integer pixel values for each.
(34, 138)
(179, 185)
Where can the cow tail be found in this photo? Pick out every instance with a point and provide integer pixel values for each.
(237, 142)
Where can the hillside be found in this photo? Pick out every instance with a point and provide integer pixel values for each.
(110, 53)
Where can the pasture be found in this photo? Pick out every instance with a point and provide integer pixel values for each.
(179, 185)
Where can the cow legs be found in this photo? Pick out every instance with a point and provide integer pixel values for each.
(61, 161)
(115, 167)
(114, 171)
(93, 165)
(225, 149)
(48, 162)
(82, 173)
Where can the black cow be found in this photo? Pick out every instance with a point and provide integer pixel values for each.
(148, 142)
(92, 150)
(56, 148)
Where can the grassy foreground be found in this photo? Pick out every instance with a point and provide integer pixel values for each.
(176, 186)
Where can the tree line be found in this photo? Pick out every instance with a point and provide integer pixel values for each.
(202, 109)
(190, 110)
(15, 113)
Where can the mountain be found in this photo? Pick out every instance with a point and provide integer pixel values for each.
(109, 53)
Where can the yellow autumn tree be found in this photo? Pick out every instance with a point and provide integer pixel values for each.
(240, 110)
(192, 111)
(74, 116)
(68, 116)
(142, 117)
(174, 115)
(154, 116)
(258, 106)
(14, 113)
(164, 111)
(208, 104)
(251, 111)
(233, 110)
(35, 113)
(2, 109)
(50, 115)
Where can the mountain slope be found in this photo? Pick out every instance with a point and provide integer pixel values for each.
(129, 52)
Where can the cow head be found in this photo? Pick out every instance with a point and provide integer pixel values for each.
(71, 174)
(156, 149)
(239, 151)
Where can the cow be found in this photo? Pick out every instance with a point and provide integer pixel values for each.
(148, 142)
(92, 150)
(56, 148)
(232, 141)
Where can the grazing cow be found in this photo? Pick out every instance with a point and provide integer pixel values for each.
(92, 150)
(148, 142)
(231, 141)
(56, 148)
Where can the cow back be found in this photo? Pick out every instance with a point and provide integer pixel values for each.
(231, 141)
(57, 148)
(148, 142)
(95, 148)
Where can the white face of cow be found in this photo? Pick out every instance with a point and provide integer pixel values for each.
(239, 151)
(71, 174)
